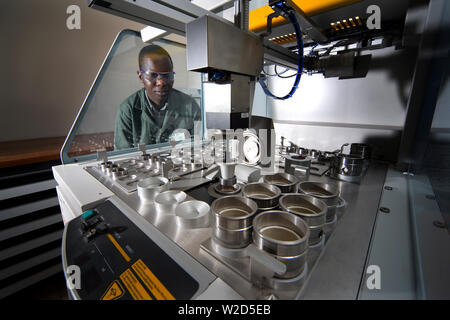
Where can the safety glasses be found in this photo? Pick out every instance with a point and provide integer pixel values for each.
(151, 75)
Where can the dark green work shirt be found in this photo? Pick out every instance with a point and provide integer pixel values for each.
(136, 123)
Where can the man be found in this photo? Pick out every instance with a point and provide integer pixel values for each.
(151, 114)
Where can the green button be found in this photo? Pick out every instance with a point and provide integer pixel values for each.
(87, 214)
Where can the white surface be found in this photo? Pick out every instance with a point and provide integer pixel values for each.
(373, 100)
(149, 33)
(80, 186)
(67, 211)
(219, 290)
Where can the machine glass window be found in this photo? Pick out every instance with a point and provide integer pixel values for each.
(142, 94)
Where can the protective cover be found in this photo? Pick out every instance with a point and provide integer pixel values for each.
(116, 80)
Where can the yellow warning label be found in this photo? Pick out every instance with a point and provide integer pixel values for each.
(114, 292)
(118, 247)
(133, 285)
(151, 281)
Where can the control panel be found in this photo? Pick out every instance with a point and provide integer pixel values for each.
(117, 260)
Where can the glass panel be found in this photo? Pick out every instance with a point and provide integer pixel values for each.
(118, 84)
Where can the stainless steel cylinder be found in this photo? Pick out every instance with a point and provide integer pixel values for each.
(316, 234)
(362, 150)
(168, 201)
(228, 182)
(328, 228)
(347, 165)
(286, 182)
(292, 149)
(109, 169)
(315, 249)
(192, 214)
(233, 239)
(310, 209)
(149, 188)
(119, 172)
(105, 165)
(294, 265)
(314, 153)
(328, 193)
(303, 151)
(265, 195)
(227, 169)
(146, 157)
(233, 220)
(280, 233)
(340, 208)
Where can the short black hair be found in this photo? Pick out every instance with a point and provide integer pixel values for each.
(152, 49)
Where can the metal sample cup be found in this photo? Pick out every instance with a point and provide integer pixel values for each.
(286, 182)
(227, 169)
(314, 153)
(105, 165)
(265, 195)
(326, 192)
(347, 165)
(109, 169)
(280, 233)
(310, 209)
(192, 214)
(149, 188)
(285, 236)
(168, 201)
(233, 221)
(119, 172)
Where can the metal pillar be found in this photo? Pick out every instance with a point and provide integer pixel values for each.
(428, 75)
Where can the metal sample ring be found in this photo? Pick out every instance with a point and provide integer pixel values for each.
(168, 201)
(326, 192)
(280, 233)
(233, 217)
(227, 182)
(105, 165)
(149, 188)
(192, 214)
(285, 181)
(310, 209)
(265, 195)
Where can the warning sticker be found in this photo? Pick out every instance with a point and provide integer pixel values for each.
(151, 281)
(114, 292)
(133, 285)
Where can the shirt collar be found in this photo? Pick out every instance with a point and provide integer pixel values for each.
(163, 108)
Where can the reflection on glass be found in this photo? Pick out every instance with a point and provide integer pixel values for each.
(142, 95)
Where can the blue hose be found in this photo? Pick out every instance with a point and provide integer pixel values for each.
(298, 34)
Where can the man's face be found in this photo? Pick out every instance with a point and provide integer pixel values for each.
(157, 88)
